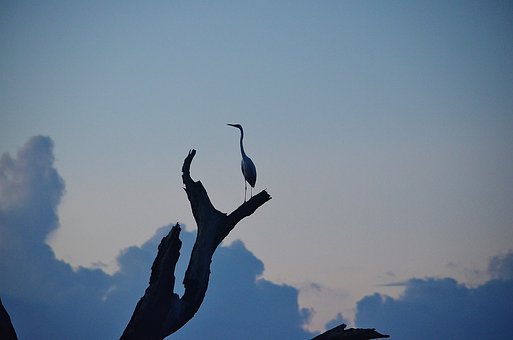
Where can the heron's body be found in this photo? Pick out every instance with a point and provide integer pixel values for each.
(248, 170)
(247, 166)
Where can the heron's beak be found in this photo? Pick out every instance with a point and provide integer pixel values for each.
(232, 125)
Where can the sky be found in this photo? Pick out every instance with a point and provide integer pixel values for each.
(382, 130)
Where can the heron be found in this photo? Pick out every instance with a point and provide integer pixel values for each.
(247, 165)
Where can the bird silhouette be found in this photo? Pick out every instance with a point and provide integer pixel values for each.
(247, 165)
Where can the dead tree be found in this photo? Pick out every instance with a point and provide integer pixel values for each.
(7, 331)
(161, 312)
(340, 333)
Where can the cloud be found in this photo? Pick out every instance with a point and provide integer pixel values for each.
(30, 190)
(47, 299)
(324, 304)
(248, 307)
(434, 308)
(501, 267)
(337, 321)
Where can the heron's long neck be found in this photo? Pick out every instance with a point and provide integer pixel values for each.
(242, 146)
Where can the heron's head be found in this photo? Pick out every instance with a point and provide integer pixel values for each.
(238, 126)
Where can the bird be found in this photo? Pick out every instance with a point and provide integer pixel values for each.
(247, 165)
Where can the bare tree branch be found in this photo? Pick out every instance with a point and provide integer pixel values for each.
(340, 333)
(161, 312)
(7, 331)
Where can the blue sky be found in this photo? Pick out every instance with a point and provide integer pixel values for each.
(382, 131)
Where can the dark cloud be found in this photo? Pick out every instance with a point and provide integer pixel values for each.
(47, 299)
(501, 267)
(445, 309)
(247, 302)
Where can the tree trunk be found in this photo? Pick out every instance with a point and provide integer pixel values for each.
(161, 312)
(7, 331)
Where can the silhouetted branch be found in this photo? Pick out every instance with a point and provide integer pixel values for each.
(340, 333)
(7, 331)
(161, 312)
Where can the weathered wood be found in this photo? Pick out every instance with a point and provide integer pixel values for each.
(159, 303)
(340, 333)
(161, 312)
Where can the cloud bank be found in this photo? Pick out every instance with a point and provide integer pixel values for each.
(47, 299)
(445, 309)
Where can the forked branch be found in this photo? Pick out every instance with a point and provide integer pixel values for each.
(161, 312)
